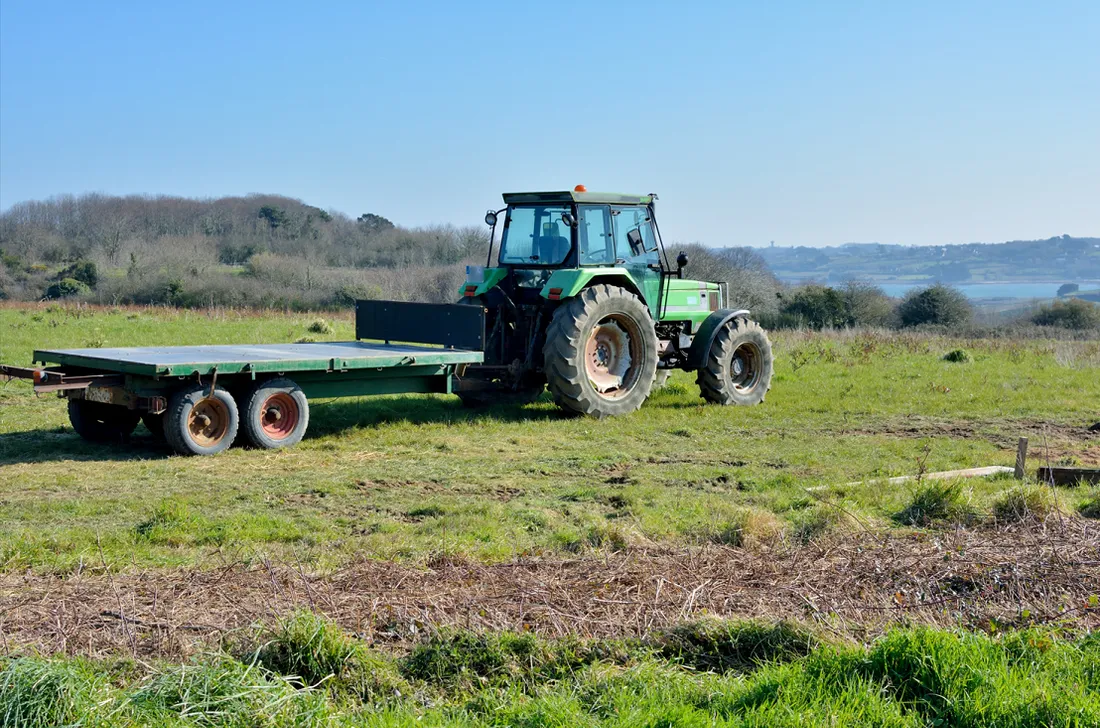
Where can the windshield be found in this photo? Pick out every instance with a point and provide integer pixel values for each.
(535, 235)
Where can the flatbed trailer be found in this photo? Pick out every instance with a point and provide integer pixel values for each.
(199, 398)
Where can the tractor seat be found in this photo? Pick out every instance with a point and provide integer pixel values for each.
(552, 248)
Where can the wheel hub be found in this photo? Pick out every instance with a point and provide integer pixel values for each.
(607, 356)
(279, 416)
(208, 422)
(745, 367)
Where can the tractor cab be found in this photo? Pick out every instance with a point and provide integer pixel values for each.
(557, 242)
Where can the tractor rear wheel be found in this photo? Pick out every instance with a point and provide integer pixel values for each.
(200, 422)
(276, 414)
(99, 422)
(739, 365)
(600, 354)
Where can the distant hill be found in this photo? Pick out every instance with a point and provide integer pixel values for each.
(1058, 259)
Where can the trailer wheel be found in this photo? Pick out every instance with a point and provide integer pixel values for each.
(276, 414)
(200, 423)
(739, 365)
(99, 422)
(601, 352)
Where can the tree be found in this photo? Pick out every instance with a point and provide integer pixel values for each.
(275, 216)
(1076, 313)
(1067, 288)
(816, 306)
(938, 305)
(867, 305)
(372, 223)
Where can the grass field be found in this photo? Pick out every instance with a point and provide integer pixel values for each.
(401, 516)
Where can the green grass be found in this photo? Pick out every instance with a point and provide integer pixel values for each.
(713, 674)
(419, 476)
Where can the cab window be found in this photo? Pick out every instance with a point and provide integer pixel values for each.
(634, 238)
(596, 244)
(535, 235)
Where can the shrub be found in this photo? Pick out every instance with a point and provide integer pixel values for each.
(958, 356)
(314, 651)
(1075, 313)
(937, 305)
(82, 270)
(816, 307)
(1024, 502)
(320, 326)
(815, 522)
(939, 500)
(469, 658)
(67, 288)
(720, 645)
(743, 527)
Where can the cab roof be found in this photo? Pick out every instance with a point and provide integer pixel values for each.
(597, 198)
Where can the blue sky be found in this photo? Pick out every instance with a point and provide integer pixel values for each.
(806, 123)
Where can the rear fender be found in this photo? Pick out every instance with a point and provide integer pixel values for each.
(565, 284)
(489, 279)
(708, 331)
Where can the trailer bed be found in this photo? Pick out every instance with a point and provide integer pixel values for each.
(175, 361)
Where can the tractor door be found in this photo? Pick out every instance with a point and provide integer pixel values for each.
(636, 247)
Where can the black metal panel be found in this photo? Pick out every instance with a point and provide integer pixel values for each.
(449, 324)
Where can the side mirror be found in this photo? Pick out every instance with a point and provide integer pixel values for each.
(490, 218)
(568, 219)
(681, 263)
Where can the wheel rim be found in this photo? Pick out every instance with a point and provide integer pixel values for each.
(611, 356)
(745, 367)
(208, 422)
(279, 416)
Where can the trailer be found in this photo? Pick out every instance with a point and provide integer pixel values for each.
(200, 399)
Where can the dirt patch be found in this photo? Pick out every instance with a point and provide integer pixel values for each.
(1046, 441)
(858, 585)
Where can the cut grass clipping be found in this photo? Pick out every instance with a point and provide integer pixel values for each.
(709, 673)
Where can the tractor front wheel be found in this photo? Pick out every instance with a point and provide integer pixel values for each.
(200, 422)
(600, 354)
(739, 365)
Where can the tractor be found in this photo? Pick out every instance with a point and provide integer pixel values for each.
(583, 301)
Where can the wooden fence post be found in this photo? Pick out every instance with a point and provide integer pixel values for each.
(1021, 458)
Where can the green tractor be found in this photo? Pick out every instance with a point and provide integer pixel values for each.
(583, 301)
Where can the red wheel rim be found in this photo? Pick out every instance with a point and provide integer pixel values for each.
(279, 416)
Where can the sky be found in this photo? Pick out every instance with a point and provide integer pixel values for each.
(802, 123)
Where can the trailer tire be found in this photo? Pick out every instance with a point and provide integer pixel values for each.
(276, 414)
(199, 422)
(739, 365)
(600, 354)
(99, 422)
